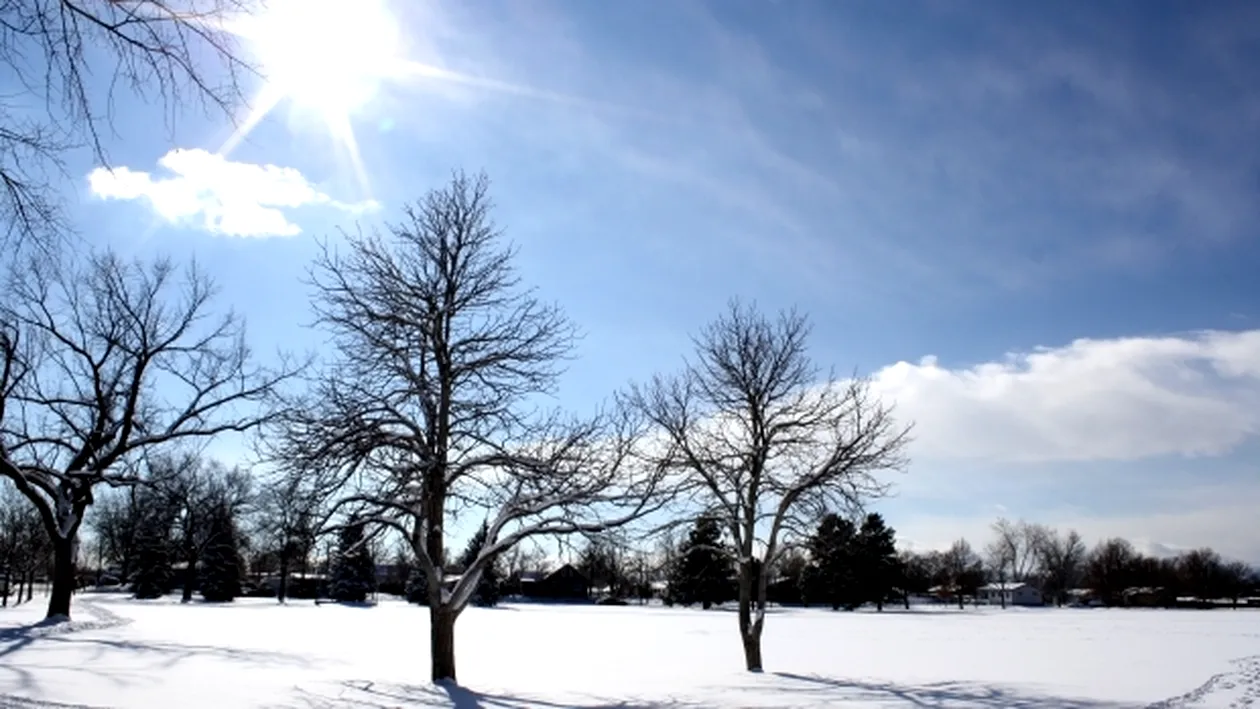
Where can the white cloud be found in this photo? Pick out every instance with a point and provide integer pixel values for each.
(1120, 399)
(219, 195)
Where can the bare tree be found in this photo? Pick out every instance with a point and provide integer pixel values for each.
(765, 444)
(963, 569)
(59, 98)
(287, 520)
(105, 362)
(1061, 560)
(429, 408)
(24, 548)
(198, 491)
(999, 558)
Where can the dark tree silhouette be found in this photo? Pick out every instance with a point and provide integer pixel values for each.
(964, 570)
(487, 593)
(1061, 560)
(878, 567)
(752, 428)
(833, 574)
(1109, 569)
(429, 403)
(287, 517)
(354, 569)
(704, 571)
(155, 548)
(221, 558)
(83, 349)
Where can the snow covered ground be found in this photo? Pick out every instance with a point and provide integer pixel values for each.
(150, 655)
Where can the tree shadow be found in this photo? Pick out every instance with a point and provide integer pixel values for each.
(19, 636)
(172, 654)
(936, 695)
(372, 695)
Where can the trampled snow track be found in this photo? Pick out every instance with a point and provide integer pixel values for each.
(1240, 686)
(7, 702)
(102, 619)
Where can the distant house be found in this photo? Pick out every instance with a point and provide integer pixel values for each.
(1013, 593)
(564, 584)
(1083, 598)
(1148, 597)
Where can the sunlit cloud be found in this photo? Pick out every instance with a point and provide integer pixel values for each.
(220, 196)
(1113, 399)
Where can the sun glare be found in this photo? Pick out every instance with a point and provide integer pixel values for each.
(325, 56)
(328, 55)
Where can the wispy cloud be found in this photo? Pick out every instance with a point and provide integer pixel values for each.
(221, 196)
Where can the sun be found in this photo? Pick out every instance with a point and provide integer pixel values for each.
(325, 56)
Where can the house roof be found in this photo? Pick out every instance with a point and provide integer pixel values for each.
(1005, 586)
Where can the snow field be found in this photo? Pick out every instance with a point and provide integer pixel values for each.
(254, 653)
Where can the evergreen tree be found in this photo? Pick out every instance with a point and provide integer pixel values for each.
(417, 588)
(703, 572)
(600, 563)
(353, 569)
(221, 561)
(151, 568)
(831, 576)
(877, 562)
(487, 593)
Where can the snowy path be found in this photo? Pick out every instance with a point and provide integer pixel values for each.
(121, 654)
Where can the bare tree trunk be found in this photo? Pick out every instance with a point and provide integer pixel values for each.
(4, 599)
(905, 598)
(30, 585)
(749, 631)
(283, 589)
(63, 578)
(190, 580)
(442, 641)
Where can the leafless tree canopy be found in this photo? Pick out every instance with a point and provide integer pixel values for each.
(767, 444)
(105, 361)
(431, 406)
(1013, 553)
(63, 61)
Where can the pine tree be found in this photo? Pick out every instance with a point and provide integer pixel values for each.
(151, 568)
(487, 593)
(703, 572)
(877, 562)
(354, 570)
(417, 588)
(221, 561)
(830, 577)
(599, 562)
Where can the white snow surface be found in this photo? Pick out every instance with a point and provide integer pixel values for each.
(255, 653)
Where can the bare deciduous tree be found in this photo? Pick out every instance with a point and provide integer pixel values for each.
(1061, 560)
(54, 51)
(962, 569)
(287, 521)
(429, 408)
(1012, 555)
(765, 444)
(106, 361)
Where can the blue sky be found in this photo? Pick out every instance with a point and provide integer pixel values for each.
(1021, 219)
